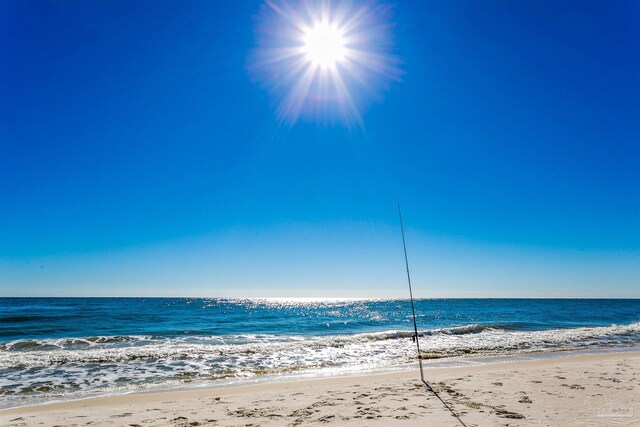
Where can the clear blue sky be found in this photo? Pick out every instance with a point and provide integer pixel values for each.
(139, 156)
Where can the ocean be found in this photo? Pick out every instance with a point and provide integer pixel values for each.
(66, 348)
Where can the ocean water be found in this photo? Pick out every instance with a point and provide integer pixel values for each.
(62, 348)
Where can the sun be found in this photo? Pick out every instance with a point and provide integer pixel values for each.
(324, 58)
(324, 45)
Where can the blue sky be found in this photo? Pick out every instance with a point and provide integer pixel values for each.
(140, 156)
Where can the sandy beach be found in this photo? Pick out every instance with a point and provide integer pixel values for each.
(579, 390)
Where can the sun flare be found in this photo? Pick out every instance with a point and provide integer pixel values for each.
(324, 59)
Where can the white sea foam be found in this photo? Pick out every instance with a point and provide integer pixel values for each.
(64, 367)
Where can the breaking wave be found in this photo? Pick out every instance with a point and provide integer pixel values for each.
(477, 338)
(68, 366)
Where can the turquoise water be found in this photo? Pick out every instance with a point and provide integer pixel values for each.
(53, 348)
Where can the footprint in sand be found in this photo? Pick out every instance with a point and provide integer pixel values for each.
(573, 386)
(126, 414)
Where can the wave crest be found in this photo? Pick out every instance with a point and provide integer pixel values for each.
(467, 339)
(63, 366)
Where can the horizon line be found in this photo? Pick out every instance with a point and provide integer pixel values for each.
(310, 298)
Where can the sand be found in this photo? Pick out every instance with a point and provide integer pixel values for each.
(583, 390)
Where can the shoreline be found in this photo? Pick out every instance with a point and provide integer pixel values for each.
(464, 387)
(428, 364)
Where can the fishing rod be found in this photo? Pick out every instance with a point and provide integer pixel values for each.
(415, 324)
(413, 308)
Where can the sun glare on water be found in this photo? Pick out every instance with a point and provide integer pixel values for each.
(322, 59)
